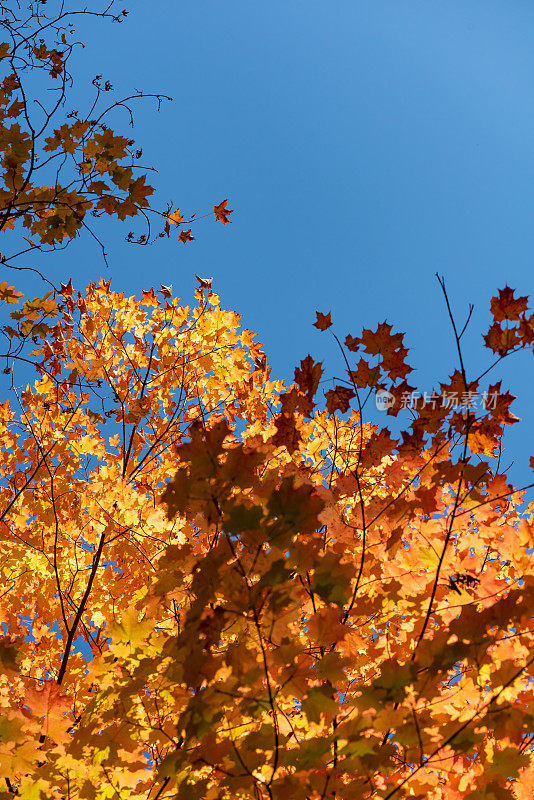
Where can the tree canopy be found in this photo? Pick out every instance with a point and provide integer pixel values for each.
(216, 584)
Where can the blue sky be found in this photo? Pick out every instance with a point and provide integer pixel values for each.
(364, 145)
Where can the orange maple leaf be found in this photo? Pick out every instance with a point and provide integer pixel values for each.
(175, 218)
(221, 212)
(498, 404)
(149, 296)
(185, 236)
(8, 294)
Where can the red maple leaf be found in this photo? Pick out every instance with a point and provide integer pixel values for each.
(185, 236)
(352, 342)
(66, 288)
(500, 406)
(501, 340)
(506, 306)
(381, 341)
(287, 434)
(364, 375)
(323, 321)
(308, 376)
(338, 399)
(395, 365)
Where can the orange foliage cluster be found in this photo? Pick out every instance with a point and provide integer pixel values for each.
(217, 586)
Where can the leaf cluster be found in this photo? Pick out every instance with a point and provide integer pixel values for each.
(215, 585)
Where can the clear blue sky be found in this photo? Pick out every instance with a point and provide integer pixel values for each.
(364, 145)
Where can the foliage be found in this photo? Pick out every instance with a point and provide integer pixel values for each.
(63, 168)
(215, 586)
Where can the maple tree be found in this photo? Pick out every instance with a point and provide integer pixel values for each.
(62, 168)
(215, 585)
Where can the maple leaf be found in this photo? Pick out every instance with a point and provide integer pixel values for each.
(66, 289)
(501, 340)
(325, 626)
(381, 341)
(323, 321)
(204, 283)
(8, 294)
(175, 218)
(482, 440)
(364, 375)
(506, 306)
(394, 364)
(221, 212)
(149, 297)
(338, 399)
(307, 377)
(185, 236)
(499, 402)
(378, 446)
(49, 703)
(166, 291)
(9, 654)
(287, 433)
(352, 343)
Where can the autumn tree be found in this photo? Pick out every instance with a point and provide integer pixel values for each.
(63, 168)
(218, 586)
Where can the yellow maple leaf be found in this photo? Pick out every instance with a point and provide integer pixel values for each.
(8, 294)
(176, 217)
